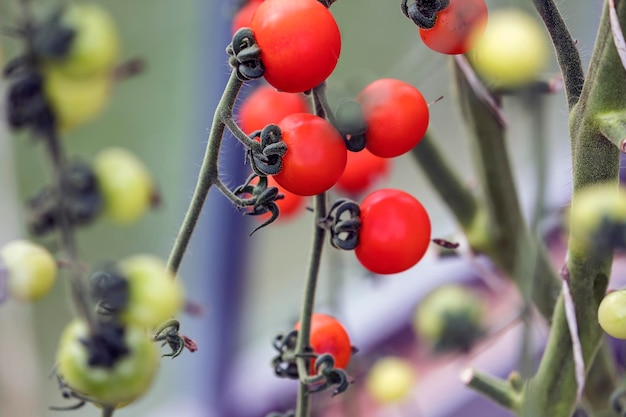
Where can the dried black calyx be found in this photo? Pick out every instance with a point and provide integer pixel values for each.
(284, 363)
(82, 200)
(106, 345)
(109, 290)
(26, 103)
(267, 159)
(262, 199)
(344, 223)
(350, 122)
(51, 38)
(245, 55)
(424, 12)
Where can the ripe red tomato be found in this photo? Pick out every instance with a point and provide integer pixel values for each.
(316, 154)
(457, 28)
(267, 105)
(363, 169)
(243, 17)
(300, 43)
(396, 114)
(395, 231)
(329, 336)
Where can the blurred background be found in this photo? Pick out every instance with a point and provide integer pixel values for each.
(251, 287)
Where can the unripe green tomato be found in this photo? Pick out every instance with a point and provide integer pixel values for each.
(512, 51)
(444, 302)
(125, 183)
(612, 314)
(125, 381)
(95, 46)
(154, 293)
(594, 209)
(76, 101)
(31, 269)
(390, 380)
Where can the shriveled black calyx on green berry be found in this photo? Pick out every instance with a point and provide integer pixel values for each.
(51, 38)
(109, 291)
(82, 200)
(424, 12)
(26, 103)
(244, 55)
(106, 345)
(27, 106)
(350, 122)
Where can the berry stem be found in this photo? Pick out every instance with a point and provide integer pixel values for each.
(79, 290)
(319, 233)
(107, 411)
(208, 175)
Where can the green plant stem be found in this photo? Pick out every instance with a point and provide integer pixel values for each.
(78, 287)
(451, 189)
(511, 243)
(495, 389)
(595, 160)
(107, 411)
(208, 172)
(566, 52)
(319, 233)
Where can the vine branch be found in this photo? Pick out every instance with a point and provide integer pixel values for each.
(566, 52)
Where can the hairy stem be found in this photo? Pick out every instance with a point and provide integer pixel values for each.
(319, 233)
(566, 52)
(595, 160)
(511, 242)
(208, 175)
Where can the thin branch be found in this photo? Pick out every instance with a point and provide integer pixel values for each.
(319, 233)
(208, 172)
(566, 52)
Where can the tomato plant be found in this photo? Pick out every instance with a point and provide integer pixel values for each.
(127, 379)
(329, 336)
(396, 114)
(363, 169)
(457, 27)
(395, 231)
(266, 105)
(316, 154)
(300, 43)
(31, 269)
